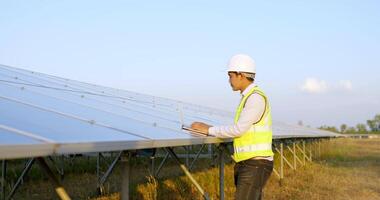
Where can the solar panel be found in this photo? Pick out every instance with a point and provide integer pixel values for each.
(43, 115)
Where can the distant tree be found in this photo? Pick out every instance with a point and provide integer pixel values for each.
(329, 128)
(300, 123)
(361, 128)
(343, 128)
(351, 130)
(377, 122)
(374, 124)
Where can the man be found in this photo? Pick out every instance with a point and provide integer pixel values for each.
(252, 130)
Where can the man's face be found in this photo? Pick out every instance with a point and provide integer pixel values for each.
(234, 80)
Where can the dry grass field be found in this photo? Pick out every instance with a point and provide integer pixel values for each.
(346, 169)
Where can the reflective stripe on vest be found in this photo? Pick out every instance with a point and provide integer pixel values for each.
(253, 147)
(257, 141)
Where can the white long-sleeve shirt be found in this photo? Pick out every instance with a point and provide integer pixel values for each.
(252, 112)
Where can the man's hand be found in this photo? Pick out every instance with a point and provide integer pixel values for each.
(200, 126)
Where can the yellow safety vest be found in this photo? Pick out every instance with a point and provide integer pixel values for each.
(257, 141)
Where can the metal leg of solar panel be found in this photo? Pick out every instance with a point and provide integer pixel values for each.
(62, 164)
(103, 179)
(125, 172)
(98, 172)
(295, 157)
(161, 164)
(210, 150)
(58, 168)
(58, 186)
(152, 162)
(196, 157)
(308, 157)
(274, 166)
(310, 153)
(98, 166)
(319, 148)
(221, 172)
(304, 151)
(280, 174)
(214, 156)
(276, 172)
(187, 156)
(283, 158)
(315, 145)
(3, 176)
(303, 154)
(26, 169)
(281, 163)
(187, 172)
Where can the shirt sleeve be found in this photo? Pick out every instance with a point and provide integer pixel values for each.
(251, 113)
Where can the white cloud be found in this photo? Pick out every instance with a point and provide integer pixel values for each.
(316, 86)
(313, 85)
(345, 85)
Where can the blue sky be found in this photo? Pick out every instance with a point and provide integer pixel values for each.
(317, 61)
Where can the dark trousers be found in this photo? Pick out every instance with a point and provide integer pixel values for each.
(250, 178)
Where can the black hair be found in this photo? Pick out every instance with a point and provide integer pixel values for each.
(251, 79)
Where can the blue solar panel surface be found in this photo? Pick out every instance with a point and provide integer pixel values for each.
(43, 115)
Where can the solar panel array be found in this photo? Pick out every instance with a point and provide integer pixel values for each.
(44, 115)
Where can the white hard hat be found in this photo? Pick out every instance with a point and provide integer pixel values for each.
(242, 63)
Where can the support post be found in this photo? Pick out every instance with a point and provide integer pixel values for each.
(319, 148)
(187, 156)
(294, 152)
(310, 151)
(294, 156)
(304, 152)
(161, 164)
(221, 173)
(281, 162)
(152, 162)
(188, 174)
(196, 157)
(61, 163)
(284, 158)
(210, 151)
(21, 177)
(98, 166)
(125, 172)
(58, 186)
(102, 180)
(3, 175)
(59, 170)
(213, 156)
(275, 172)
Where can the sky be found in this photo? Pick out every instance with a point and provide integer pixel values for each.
(317, 61)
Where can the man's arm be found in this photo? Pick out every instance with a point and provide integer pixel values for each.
(251, 114)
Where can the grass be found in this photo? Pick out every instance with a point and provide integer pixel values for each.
(346, 169)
